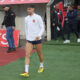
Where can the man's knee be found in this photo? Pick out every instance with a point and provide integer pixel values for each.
(39, 51)
(27, 55)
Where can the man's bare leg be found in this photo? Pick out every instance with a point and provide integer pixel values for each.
(39, 51)
(29, 48)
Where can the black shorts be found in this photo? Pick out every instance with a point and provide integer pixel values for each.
(35, 42)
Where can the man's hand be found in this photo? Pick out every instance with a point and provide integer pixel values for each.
(1, 26)
(58, 28)
(13, 28)
(53, 24)
(37, 38)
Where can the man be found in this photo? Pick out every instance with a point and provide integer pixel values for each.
(9, 22)
(54, 22)
(34, 28)
(78, 17)
(57, 19)
(71, 23)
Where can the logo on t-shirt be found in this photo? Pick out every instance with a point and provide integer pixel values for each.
(34, 21)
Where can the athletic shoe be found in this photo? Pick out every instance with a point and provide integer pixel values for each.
(66, 41)
(24, 74)
(78, 40)
(40, 70)
(13, 49)
(9, 50)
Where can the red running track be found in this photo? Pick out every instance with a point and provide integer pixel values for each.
(6, 58)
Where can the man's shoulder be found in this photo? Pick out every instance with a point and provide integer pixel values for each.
(37, 16)
(26, 17)
(12, 13)
(74, 10)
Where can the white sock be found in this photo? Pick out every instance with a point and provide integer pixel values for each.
(27, 68)
(41, 65)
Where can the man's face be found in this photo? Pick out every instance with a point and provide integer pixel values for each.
(6, 8)
(30, 11)
(70, 8)
(79, 7)
(56, 6)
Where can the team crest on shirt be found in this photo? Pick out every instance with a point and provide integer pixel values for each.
(34, 20)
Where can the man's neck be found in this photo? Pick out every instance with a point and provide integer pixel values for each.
(32, 14)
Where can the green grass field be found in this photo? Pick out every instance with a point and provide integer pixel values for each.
(62, 62)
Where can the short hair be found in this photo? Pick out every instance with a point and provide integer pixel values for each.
(31, 6)
(71, 6)
(6, 6)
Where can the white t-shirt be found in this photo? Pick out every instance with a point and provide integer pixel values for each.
(34, 27)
